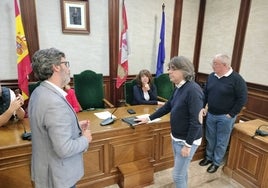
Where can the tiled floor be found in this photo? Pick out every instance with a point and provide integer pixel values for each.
(198, 178)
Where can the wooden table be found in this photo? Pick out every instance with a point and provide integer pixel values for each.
(248, 157)
(112, 146)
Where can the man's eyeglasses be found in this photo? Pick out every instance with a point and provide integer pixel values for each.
(67, 63)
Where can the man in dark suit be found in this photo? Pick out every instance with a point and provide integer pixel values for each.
(58, 138)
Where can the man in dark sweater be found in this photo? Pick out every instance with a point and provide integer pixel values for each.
(225, 95)
(184, 107)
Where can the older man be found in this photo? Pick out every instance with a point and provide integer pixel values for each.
(225, 95)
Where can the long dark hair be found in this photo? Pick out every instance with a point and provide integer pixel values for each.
(142, 73)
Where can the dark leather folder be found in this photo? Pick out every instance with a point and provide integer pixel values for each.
(131, 120)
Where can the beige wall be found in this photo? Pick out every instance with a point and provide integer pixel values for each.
(188, 28)
(91, 51)
(144, 19)
(219, 31)
(254, 66)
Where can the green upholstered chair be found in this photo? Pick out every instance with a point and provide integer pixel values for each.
(32, 86)
(164, 87)
(128, 91)
(88, 87)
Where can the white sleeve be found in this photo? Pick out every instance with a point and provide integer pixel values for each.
(12, 95)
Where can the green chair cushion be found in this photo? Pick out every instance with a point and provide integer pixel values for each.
(164, 86)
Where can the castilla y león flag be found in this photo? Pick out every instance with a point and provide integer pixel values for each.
(23, 58)
(122, 70)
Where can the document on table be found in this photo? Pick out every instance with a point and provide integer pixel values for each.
(104, 115)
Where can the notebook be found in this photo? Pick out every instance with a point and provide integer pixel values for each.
(130, 120)
(132, 123)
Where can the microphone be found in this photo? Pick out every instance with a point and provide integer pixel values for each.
(26, 135)
(260, 132)
(108, 120)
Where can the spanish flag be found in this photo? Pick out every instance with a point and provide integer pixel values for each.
(23, 58)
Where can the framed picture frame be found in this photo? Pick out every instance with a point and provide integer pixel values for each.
(75, 16)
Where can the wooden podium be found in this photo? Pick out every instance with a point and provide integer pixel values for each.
(113, 146)
(248, 156)
(136, 174)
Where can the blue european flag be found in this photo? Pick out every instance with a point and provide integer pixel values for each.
(161, 47)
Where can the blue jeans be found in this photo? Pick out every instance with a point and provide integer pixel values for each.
(218, 132)
(181, 164)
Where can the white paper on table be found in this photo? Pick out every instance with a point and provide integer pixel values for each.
(147, 115)
(104, 115)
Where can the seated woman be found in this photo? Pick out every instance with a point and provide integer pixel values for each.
(71, 98)
(144, 92)
(10, 106)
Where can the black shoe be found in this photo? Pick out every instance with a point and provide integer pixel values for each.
(212, 168)
(205, 162)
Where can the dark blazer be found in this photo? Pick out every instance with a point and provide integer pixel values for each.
(57, 144)
(138, 97)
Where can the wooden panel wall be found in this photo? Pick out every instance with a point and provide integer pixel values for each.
(257, 105)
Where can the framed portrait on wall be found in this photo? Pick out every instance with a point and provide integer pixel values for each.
(75, 16)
